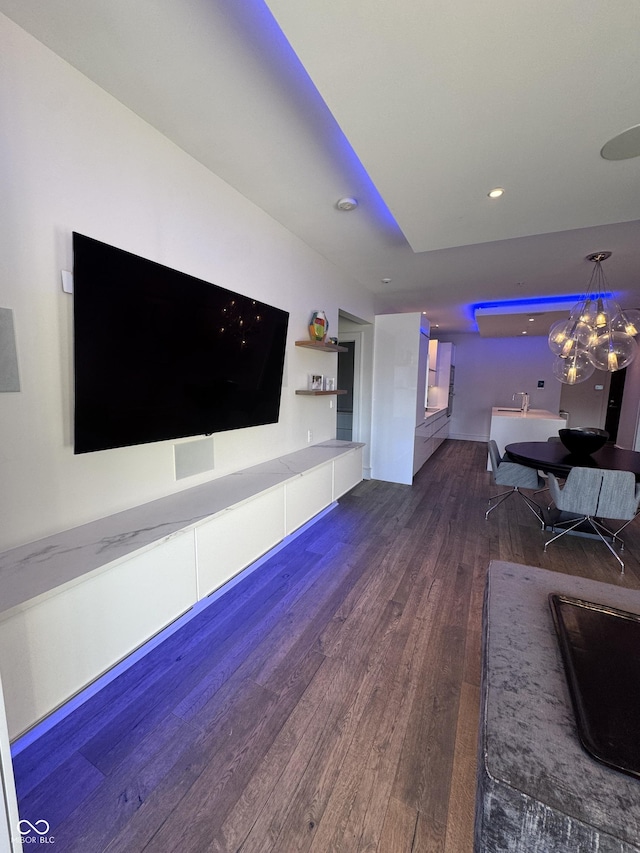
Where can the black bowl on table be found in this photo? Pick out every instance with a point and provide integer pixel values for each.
(582, 441)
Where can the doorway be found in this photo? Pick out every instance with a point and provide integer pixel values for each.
(597, 402)
(586, 402)
(614, 403)
(354, 373)
(346, 382)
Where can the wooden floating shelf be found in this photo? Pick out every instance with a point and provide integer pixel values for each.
(319, 393)
(322, 346)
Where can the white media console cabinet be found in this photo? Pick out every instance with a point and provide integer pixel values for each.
(75, 604)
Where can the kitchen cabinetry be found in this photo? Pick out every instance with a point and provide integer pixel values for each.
(400, 356)
(429, 436)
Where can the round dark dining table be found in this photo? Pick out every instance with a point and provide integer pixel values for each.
(553, 456)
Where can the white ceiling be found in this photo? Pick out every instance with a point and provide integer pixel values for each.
(416, 109)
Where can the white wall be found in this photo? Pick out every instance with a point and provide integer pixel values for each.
(400, 357)
(75, 159)
(489, 371)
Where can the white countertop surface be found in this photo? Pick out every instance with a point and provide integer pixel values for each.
(430, 412)
(532, 414)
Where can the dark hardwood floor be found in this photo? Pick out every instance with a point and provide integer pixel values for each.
(328, 702)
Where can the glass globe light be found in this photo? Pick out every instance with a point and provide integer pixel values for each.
(584, 311)
(613, 351)
(558, 335)
(577, 368)
(587, 312)
(627, 321)
(603, 316)
(566, 334)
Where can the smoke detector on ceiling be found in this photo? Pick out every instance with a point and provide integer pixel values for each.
(347, 204)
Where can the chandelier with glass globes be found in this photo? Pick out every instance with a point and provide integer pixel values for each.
(597, 335)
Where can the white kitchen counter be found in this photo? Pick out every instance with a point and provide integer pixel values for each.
(511, 426)
(432, 411)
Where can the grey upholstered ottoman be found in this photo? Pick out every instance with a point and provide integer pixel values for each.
(538, 790)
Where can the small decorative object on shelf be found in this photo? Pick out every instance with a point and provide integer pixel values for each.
(315, 382)
(329, 384)
(318, 326)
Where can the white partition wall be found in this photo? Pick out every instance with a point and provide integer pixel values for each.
(401, 346)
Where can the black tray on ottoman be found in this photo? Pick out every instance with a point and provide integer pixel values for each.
(601, 654)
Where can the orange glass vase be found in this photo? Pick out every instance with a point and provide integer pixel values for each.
(318, 326)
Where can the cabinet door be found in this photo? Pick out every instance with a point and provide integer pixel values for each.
(61, 643)
(232, 540)
(308, 495)
(347, 472)
(422, 451)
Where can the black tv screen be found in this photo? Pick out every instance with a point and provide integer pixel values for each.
(159, 354)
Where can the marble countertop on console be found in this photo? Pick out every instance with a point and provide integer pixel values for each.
(38, 567)
(530, 741)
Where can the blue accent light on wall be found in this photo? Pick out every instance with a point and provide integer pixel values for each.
(535, 304)
(542, 303)
(281, 64)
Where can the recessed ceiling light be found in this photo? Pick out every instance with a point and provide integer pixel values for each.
(386, 281)
(496, 193)
(347, 204)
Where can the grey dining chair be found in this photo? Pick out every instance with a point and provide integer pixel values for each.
(554, 439)
(592, 494)
(517, 476)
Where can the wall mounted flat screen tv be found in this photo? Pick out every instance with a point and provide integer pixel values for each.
(159, 354)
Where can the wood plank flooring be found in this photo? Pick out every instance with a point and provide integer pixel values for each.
(329, 702)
